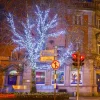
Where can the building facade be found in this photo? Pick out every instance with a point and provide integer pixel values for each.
(83, 26)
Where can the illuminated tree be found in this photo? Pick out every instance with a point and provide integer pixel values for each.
(34, 43)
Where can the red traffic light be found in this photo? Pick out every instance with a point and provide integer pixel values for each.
(74, 57)
(82, 58)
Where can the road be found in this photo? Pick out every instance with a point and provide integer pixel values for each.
(85, 98)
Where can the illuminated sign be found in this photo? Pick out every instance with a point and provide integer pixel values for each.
(46, 58)
(4, 58)
(7, 95)
(47, 53)
(17, 87)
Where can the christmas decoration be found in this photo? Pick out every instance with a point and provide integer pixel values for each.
(34, 44)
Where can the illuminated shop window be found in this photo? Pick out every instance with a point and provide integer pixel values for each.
(74, 77)
(60, 77)
(40, 77)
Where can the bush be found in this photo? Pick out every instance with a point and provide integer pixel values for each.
(44, 96)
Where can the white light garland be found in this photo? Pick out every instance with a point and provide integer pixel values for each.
(34, 45)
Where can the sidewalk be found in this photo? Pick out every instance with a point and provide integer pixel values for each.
(85, 98)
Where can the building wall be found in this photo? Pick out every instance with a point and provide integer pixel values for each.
(84, 29)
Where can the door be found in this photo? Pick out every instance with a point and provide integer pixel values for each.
(98, 82)
(12, 79)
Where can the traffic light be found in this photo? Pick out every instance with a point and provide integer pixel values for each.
(82, 60)
(75, 59)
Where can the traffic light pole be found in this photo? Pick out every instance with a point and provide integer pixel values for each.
(78, 80)
(78, 61)
(55, 85)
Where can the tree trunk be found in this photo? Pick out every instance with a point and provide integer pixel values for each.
(33, 84)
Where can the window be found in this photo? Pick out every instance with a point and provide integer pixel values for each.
(77, 20)
(13, 72)
(40, 77)
(74, 77)
(60, 77)
(85, 20)
(98, 48)
(99, 23)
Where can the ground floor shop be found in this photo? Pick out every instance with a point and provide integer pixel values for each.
(89, 79)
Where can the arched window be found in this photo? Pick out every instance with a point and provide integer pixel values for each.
(13, 72)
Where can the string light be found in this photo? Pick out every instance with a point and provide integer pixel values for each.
(34, 45)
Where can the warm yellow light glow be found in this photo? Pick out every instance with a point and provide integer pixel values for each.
(4, 58)
(55, 86)
(47, 58)
(19, 87)
(55, 76)
(55, 64)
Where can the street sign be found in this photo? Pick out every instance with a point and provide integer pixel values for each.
(47, 55)
(55, 64)
(46, 58)
(47, 52)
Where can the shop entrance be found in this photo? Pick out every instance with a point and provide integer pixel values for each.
(12, 79)
(98, 82)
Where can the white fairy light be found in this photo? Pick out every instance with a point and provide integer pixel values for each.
(33, 45)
